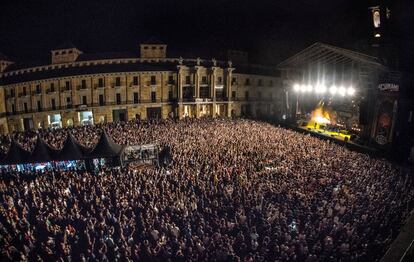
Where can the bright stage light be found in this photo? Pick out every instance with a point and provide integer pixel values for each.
(333, 90)
(309, 88)
(302, 88)
(320, 88)
(342, 91)
(296, 87)
(350, 91)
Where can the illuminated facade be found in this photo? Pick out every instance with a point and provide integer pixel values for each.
(81, 89)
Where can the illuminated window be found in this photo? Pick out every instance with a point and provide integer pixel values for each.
(376, 18)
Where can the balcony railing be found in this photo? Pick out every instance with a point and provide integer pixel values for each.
(98, 86)
(79, 87)
(114, 103)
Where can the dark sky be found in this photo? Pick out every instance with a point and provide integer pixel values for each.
(270, 30)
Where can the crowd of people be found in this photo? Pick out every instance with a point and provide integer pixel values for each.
(234, 190)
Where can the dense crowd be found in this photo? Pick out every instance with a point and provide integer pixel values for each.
(234, 190)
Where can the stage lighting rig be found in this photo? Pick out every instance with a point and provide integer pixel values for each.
(333, 90)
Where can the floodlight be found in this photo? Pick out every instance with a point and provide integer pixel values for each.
(296, 87)
(350, 91)
(309, 88)
(333, 90)
(321, 89)
(302, 88)
(342, 91)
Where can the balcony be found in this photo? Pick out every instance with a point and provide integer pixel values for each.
(134, 86)
(151, 83)
(79, 88)
(98, 86)
(48, 91)
(222, 99)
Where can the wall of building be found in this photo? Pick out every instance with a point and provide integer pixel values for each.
(35, 104)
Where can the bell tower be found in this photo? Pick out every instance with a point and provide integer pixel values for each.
(381, 16)
(380, 12)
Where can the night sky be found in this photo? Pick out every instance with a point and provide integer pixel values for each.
(270, 30)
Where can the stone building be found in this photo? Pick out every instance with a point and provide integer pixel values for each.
(78, 88)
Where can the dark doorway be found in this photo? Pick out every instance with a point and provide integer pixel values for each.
(119, 115)
(154, 113)
(27, 124)
(101, 100)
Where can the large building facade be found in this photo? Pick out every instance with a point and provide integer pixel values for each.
(82, 89)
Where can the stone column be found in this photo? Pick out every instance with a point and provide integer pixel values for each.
(180, 82)
(197, 81)
(213, 82)
(229, 76)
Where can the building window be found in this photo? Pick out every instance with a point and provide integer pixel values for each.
(153, 96)
(101, 100)
(67, 85)
(117, 81)
(84, 100)
(154, 47)
(204, 92)
(271, 83)
(83, 84)
(260, 82)
(170, 95)
(247, 83)
(233, 95)
(39, 106)
(53, 104)
(100, 82)
(68, 103)
(118, 98)
(161, 48)
(259, 94)
(52, 87)
(25, 108)
(37, 89)
(153, 80)
(135, 80)
(246, 95)
(24, 91)
(12, 92)
(233, 81)
(220, 80)
(170, 80)
(136, 98)
(187, 80)
(204, 80)
(13, 108)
